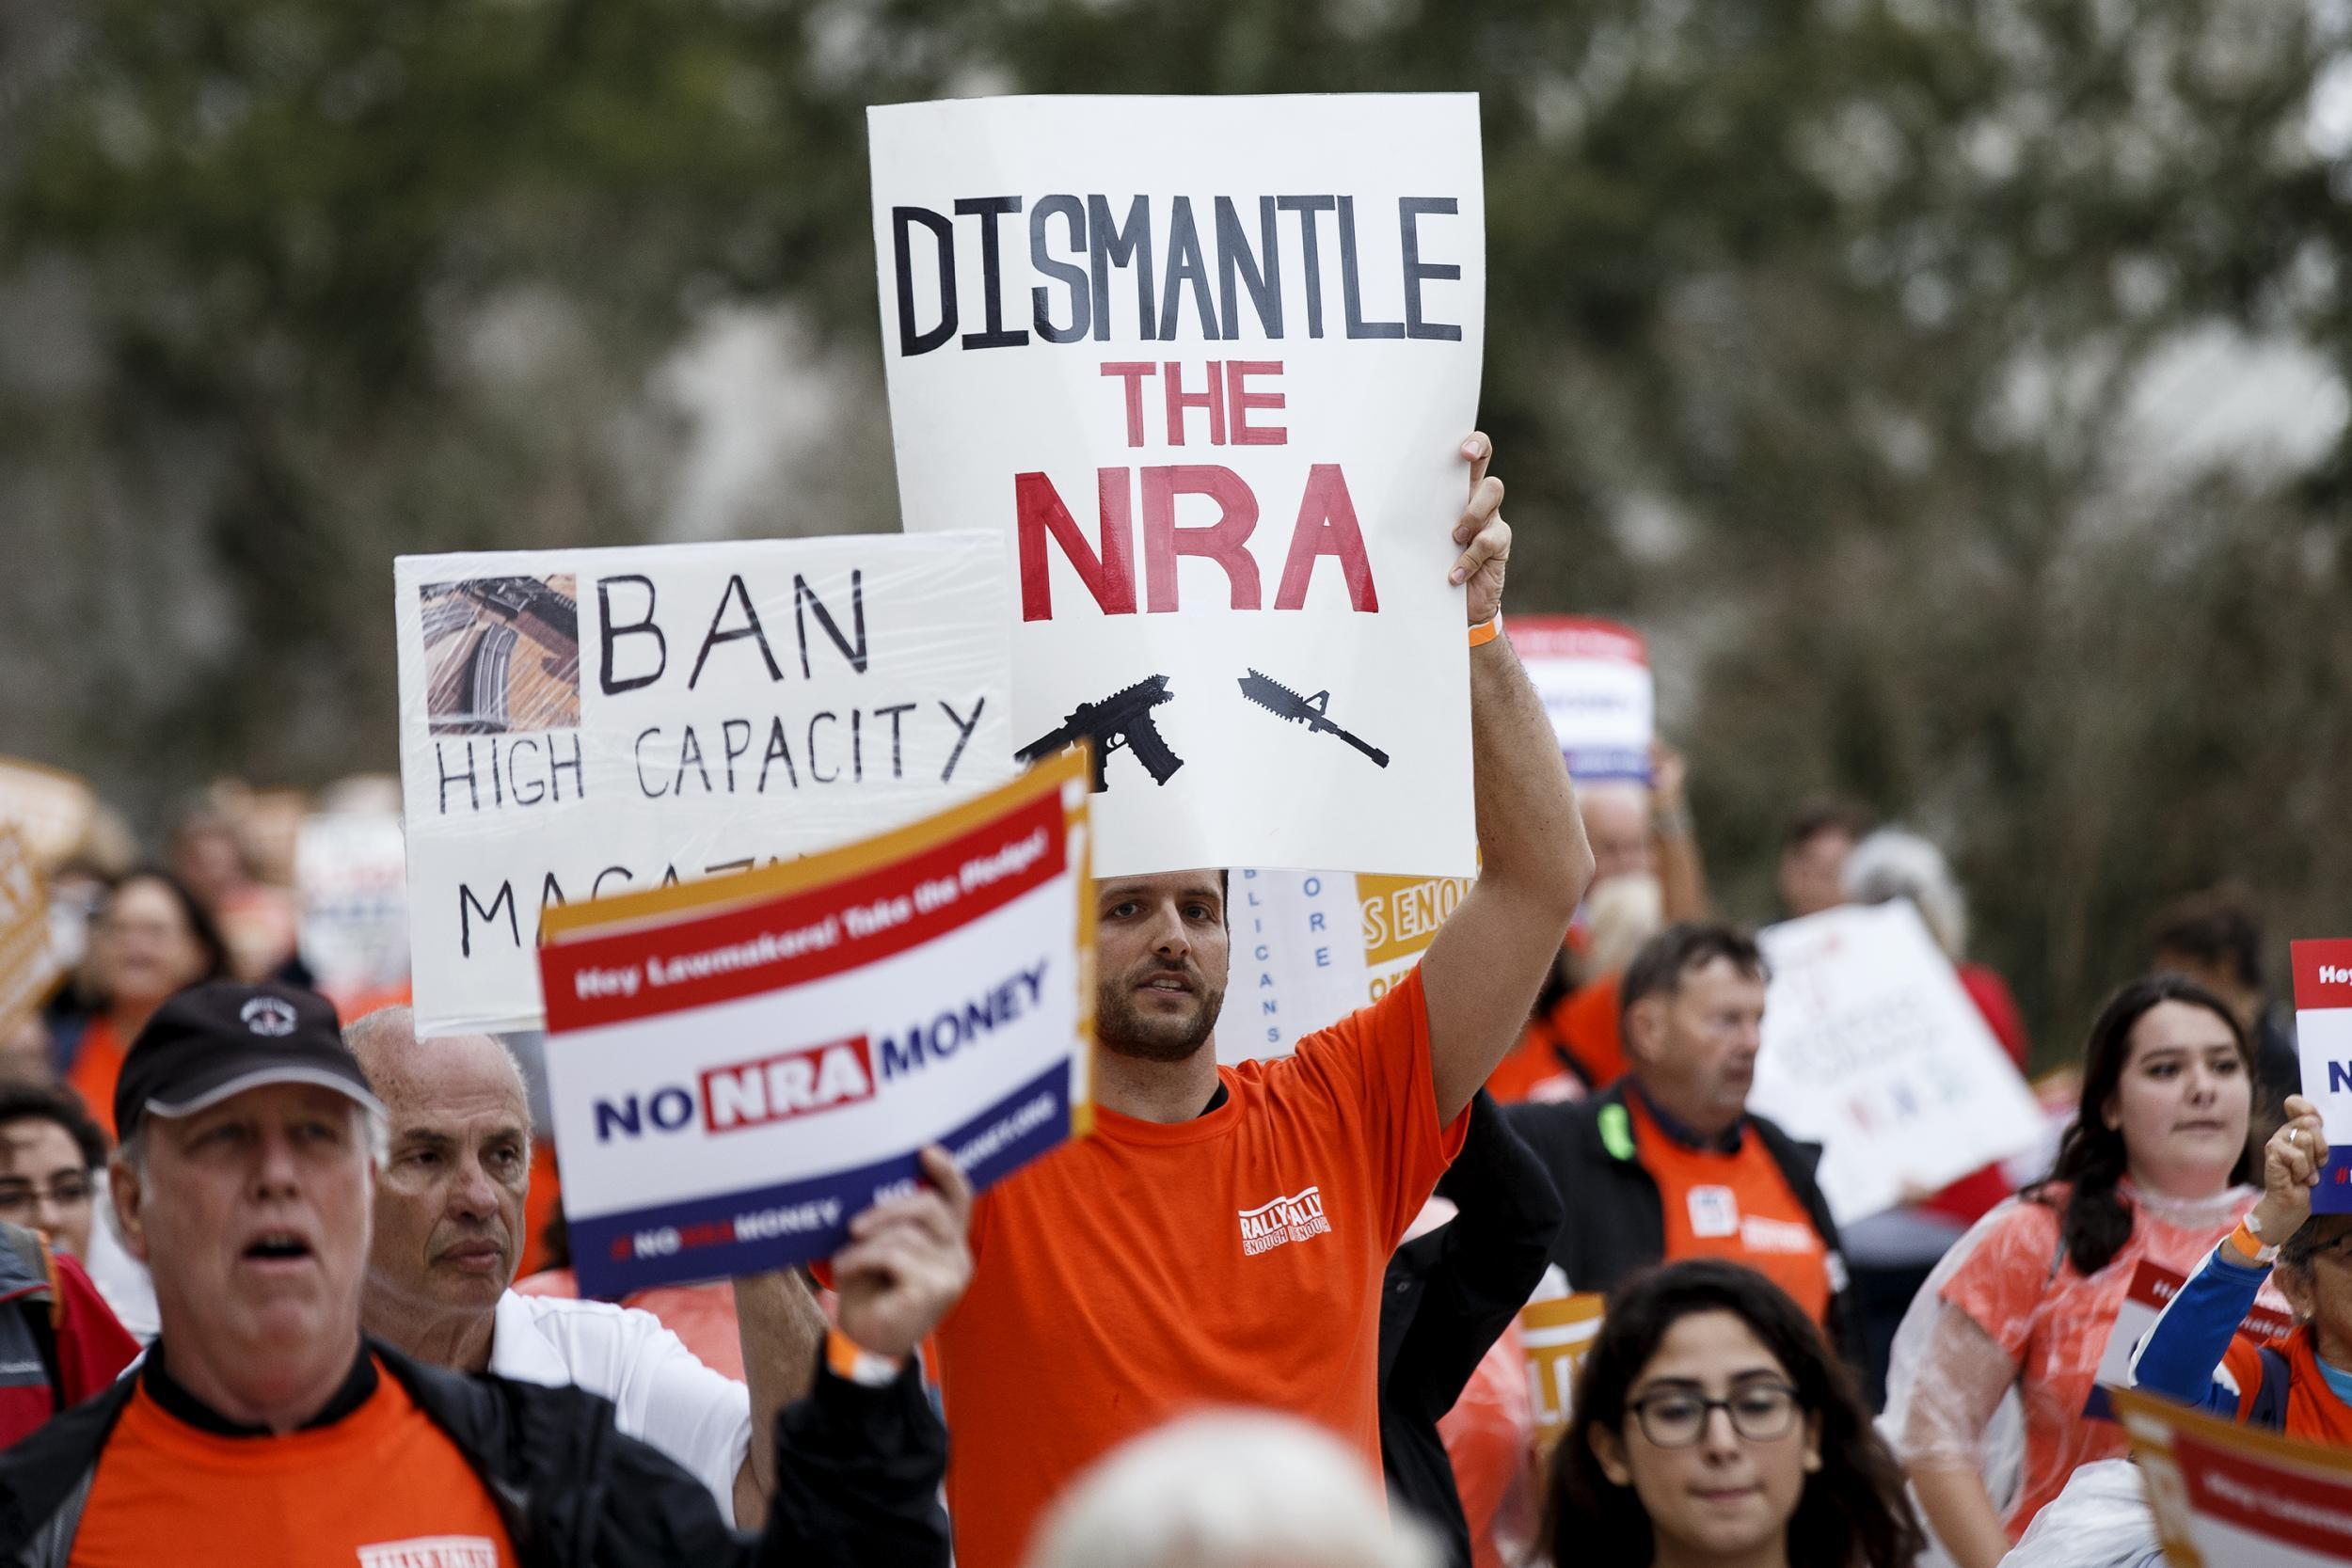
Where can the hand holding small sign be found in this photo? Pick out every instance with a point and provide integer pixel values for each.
(2291, 1163)
(907, 1261)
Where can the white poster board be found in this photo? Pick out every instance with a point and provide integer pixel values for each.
(740, 1067)
(1872, 1050)
(1594, 679)
(1207, 363)
(351, 873)
(577, 723)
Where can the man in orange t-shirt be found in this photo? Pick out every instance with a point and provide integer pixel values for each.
(1670, 1164)
(264, 1430)
(1221, 1237)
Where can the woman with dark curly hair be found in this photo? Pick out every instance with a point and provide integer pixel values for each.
(1713, 1428)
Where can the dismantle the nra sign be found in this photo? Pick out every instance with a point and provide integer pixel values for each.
(740, 1066)
(1207, 363)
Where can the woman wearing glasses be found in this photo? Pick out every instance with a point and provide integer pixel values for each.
(51, 1153)
(1713, 1430)
(2193, 1355)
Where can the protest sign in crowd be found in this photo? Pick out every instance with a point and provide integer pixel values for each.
(771, 1081)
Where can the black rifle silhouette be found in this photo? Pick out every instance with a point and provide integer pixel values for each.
(1283, 703)
(1122, 719)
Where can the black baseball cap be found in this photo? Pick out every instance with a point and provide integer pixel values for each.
(223, 1038)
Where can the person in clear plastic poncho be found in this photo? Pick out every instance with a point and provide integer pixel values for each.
(2156, 1166)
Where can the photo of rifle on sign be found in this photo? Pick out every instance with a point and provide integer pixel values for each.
(1122, 719)
(1281, 701)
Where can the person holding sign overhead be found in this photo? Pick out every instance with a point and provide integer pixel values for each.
(2194, 1353)
(1670, 1163)
(1222, 1236)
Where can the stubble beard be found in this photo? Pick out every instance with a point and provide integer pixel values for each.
(1122, 1028)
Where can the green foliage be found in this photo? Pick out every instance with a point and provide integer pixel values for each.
(1812, 325)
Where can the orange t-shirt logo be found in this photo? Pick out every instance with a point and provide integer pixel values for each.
(432, 1551)
(1232, 1259)
(1286, 1219)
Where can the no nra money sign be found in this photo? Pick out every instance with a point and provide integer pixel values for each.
(2323, 1037)
(579, 724)
(1207, 362)
(739, 1067)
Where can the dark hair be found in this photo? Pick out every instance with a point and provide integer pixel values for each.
(1825, 815)
(1853, 1512)
(2296, 1252)
(1681, 948)
(201, 926)
(2091, 1159)
(2215, 927)
(56, 1103)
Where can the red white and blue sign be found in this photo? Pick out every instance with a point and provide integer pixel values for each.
(1594, 678)
(738, 1067)
(2323, 1037)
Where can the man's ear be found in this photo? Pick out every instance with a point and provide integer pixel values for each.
(2296, 1283)
(1609, 1449)
(129, 1200)
(1642, 1020)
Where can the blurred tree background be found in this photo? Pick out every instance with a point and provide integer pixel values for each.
(1954, 391)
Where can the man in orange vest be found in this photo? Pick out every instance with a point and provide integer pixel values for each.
(1670, 1163)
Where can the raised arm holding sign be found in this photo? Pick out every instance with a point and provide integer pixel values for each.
(1490, 958)
(1223, 1234)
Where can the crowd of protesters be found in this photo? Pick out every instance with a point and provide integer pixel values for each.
(285, 1282)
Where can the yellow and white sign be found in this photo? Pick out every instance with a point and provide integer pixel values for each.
(1310, 947)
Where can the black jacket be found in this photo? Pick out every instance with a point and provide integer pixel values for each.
(1448, 1296)
(1616, 1221)
(858, 1476)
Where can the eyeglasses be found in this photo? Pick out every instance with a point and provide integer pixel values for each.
(1760, 1412)
(64, 1193)
(2314, 1255)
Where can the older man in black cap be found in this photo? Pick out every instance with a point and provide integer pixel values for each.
(263, 1429)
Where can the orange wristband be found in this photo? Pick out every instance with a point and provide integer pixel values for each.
(1487, 631)
(2247, 1245)
(854, 1363)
